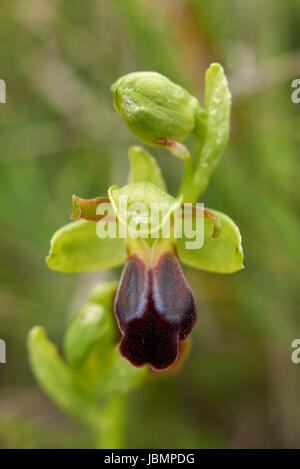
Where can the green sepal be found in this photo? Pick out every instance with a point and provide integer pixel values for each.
(223, 254)
(77, 248)
(144, 168)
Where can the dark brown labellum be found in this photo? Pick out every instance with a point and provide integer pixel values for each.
(155, 309)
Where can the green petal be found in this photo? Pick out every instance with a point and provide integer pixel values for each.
(222, 255)
(144, 168)
(93, 324)
(77, 248)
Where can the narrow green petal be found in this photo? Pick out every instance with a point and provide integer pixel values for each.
(77, 248)
(144, 168)
(86, 209)
(222, 255)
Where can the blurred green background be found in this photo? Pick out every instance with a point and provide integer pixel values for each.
(59, 135)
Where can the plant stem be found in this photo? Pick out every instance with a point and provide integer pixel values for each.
(111, 431)
(186, 187)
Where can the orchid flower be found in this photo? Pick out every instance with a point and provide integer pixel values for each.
(153, 304)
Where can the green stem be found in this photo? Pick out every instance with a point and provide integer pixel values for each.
(186, 187)
(194, 181)
(201, 178)
(111, 431)
(195, 177)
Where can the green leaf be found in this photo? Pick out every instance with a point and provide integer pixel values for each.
(103, 294)
(144, 168)
(58, 380)
(140, 199)
(77, 248)
(215, 126)
(120, 376)
(221, 255)
(93, 324)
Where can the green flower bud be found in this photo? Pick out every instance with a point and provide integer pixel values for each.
(154, 108)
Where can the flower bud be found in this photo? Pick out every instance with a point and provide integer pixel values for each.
(154, 108)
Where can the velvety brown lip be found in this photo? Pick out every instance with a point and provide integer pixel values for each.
(155, 309)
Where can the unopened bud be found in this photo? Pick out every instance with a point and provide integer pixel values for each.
(154, 108)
